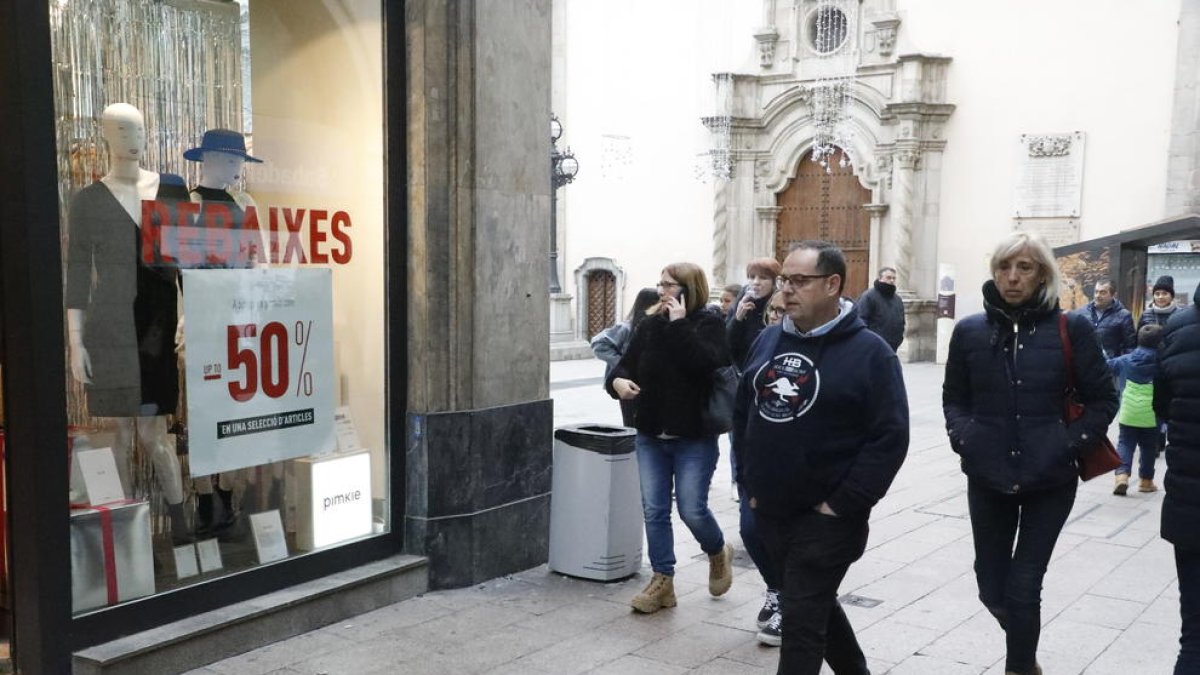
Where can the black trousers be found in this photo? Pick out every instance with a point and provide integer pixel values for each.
(1010, 578)
(813, 551)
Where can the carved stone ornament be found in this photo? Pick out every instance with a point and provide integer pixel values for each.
(908, 159)
(1057, 145)
(886, 29)
(883, 163)
(762, 171)
(766, 46)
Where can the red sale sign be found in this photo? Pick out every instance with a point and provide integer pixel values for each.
(259, 365)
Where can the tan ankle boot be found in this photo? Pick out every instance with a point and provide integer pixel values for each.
(720, 571)
(659, 593)
(1147, 485)
(1122, 485)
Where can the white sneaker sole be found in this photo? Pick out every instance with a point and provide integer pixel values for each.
(769, 640)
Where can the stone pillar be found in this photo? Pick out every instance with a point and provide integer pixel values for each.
(1183, 159)
(762, 239)
(478, 443)
(903, 210)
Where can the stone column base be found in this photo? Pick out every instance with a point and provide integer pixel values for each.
(920, 331)
(478, 492)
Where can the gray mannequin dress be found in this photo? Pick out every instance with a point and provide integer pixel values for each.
(130, 308)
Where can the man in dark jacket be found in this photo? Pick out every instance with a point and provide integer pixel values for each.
(882, 310)
(1177, 399)
(822, 417)
(1112, 322)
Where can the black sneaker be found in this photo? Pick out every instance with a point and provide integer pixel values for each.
(769, 609)
(772, 634)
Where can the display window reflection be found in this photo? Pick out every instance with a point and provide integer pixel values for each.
(221, 179)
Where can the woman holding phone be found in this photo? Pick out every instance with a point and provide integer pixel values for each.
(668, 368)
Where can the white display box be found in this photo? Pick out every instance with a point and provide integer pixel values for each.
(333, 501)
(132, 575)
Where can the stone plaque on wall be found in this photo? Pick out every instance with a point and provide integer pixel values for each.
(1056, 231)
(1049, 176)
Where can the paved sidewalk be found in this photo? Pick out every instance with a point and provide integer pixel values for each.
(1111, 602)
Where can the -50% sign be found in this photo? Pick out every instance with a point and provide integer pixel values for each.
(260, 357)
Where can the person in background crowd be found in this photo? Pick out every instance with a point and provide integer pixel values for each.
(729, 295)
(1162, 308)
(1138, 426)
(1162, 303)
(609, 344)
(668, 368)
(769, 620)
(776, 309)
(882, 310)
(1177, 400)
(822, 422)
(1111, 321)
(743, 324)
(1003, 399)
(746, 320)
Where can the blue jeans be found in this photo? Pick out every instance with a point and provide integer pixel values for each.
(1187, 565)
(1010, 580)
(1146, 439)
(752, 540)
(688, 464)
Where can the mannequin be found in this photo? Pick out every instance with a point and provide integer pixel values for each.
(223, 153)
(120, 313)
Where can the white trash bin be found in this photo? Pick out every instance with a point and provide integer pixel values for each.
(596, 503)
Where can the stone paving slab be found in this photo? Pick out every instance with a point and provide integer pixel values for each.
(1110, 602)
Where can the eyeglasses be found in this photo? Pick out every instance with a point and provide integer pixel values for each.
(667, 284)
(798, 280)
(777, 310)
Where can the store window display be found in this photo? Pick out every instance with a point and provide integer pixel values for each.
(226, 314)
(122, 313)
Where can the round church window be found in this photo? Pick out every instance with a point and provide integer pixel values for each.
(828, 29)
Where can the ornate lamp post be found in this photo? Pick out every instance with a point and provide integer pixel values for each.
(563, 168)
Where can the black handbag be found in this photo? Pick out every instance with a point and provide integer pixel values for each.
(717, 416)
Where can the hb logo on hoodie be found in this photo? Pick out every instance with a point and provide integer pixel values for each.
(786, 387)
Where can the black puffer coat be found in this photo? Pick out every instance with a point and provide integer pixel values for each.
(672, 362)
(1003, 395)
(1177, 399)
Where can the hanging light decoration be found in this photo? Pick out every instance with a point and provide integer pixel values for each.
(832, 29)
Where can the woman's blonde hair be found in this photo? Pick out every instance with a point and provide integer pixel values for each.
(1033, 245)
(767, 310)
(695, 284)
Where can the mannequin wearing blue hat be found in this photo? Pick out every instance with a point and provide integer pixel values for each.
(120, 312)
(222, 153)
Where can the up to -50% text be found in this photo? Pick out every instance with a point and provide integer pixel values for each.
(266, 362)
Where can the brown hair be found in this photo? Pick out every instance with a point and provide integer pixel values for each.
(694, 283)
(767, 267)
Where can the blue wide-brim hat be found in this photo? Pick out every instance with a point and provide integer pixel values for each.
(220, 140)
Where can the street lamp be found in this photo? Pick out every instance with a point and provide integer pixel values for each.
(563, 168)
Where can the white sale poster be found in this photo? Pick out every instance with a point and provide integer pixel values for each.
(259, 365)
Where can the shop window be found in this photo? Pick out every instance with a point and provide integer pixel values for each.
(221, 176)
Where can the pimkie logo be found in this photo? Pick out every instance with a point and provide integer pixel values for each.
(786, 387)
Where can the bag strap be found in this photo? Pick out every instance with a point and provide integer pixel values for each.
(1066, 342)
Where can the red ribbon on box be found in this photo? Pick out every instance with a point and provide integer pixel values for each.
(106, 541)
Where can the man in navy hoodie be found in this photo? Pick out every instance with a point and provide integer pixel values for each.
(822, 414)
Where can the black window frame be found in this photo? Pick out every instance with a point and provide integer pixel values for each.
(45, 634)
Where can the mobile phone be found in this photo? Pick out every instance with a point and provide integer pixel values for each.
(682, 295)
